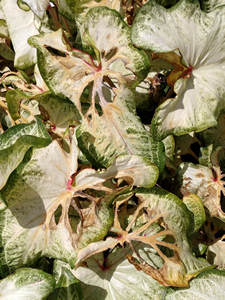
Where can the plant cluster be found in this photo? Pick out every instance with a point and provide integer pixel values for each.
(112, 149)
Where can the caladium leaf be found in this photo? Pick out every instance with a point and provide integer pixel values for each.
(199, 97)
(111, 276)
(200, 180)
(15, 142)
(26, 284)
(208, 285)
(45, 177)
(68, 76)
(118, 131)
(17, 20)
(176, 270)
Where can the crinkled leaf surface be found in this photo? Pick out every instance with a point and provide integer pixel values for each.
(208, 285)
(26, 284)
(199, 38)
(21, 26)
(15, 142)
(200, 180)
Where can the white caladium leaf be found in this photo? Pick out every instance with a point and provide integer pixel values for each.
(208, 285)
(14, 144)
(200, 90)
(21, 26)
(45, 182)
(200, 180)
(38, 6)
(26, 284)
(38, 187)
(68, 76)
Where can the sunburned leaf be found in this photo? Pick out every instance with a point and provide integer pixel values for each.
(200, 180)
(118, 131)
(15, 142)
(68, 76)
(110, 276)
(200, 91)
(177, 269)
(26, 284)
(46, 187)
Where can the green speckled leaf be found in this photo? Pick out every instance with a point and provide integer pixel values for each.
(26, 284)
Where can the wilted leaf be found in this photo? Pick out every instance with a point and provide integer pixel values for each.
(177, 269)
